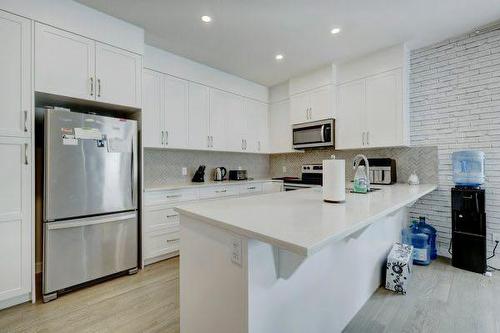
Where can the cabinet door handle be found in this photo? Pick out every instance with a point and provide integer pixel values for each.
(258, 145)
(91, 86)
(208, 141)
(211, 141)
(98, 87)
(162, 138)
(363, 135)
(26, 161)
(26, 121)
(368, 138)
(310, 113)
(166, 138)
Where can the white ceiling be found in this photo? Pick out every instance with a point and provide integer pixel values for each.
(245, 35)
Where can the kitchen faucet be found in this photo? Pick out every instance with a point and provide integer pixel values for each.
(356, 162)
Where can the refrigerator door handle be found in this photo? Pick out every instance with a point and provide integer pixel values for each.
(89, 221)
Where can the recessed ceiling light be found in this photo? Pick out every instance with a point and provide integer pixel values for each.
(206, 19)
(335, 31)
(279, 57)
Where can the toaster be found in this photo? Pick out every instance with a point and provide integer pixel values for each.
(238, 175)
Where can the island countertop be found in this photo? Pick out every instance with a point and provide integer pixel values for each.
(299, 221)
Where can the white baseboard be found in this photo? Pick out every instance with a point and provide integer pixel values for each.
(15, 301)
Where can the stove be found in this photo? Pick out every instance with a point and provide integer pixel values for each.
(312, 176)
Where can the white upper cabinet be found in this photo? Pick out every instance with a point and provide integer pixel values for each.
(64, 63)
(322, 103)
(371, 113)
(118, 76)
(350, 122)
(257, 122)
(299, 108)
(69, 65)
(15, 80)
(15, 218)
(175, 94)
(218, 109)
(313, 105)
(152, 110)
(235, 129)
(198, 117)
(280, 133)
(372, 106)
(384, 105)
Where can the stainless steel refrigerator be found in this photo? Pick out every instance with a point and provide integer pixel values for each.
(90, 226)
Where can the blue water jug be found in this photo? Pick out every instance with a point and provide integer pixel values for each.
(468, 168)
(430, 231)
(420, 242)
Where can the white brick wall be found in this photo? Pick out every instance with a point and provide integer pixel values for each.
(455, 105)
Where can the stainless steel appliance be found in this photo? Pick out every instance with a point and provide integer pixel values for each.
(90, 224)
(220, 173)
(314, 134)
(312, 176)
(238, 175)
(382, 171)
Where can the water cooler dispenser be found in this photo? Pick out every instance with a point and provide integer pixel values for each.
(468, 212)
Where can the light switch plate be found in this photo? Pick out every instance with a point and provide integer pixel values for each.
(236, 251)
(184, 171)
(284, 169)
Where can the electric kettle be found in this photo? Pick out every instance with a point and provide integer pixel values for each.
(220, 173)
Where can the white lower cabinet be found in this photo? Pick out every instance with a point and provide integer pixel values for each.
(160, 224)
(15, 221)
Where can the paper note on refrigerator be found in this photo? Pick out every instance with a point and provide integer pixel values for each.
(86, 133)
(116, 145)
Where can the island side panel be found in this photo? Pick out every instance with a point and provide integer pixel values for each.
(213, 289)
(327, 289)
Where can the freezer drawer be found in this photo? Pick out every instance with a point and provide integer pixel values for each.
(81, 250)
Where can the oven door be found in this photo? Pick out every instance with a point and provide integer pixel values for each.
(295, 186)
(314, 134)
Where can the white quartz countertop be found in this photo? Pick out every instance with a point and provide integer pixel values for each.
(176, 186)
(299, 221)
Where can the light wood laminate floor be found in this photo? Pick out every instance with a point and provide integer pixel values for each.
(441, 299)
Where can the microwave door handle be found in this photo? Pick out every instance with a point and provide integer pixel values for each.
(322, 133)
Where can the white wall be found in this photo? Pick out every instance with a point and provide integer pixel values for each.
(77, 18)
(455, 105)
(169, 63)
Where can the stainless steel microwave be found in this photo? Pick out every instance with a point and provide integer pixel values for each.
(314, 134)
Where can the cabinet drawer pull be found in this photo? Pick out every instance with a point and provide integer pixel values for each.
(221, 191)
(251, 188)
(174, 196)
(172, 215)
(469, 197)
(172, 240)
(25, 120)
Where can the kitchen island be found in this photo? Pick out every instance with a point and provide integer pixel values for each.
(286, 262)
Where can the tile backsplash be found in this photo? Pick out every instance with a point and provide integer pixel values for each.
(422, 160)
(165, 166)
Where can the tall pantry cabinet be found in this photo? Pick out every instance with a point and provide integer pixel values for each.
(16, 149)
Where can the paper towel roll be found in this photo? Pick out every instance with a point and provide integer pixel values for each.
(334, 180)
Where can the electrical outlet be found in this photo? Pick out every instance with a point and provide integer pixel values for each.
(240, 168)
(184, 171)
(496, 237)
(236, 251)
(284, 169)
